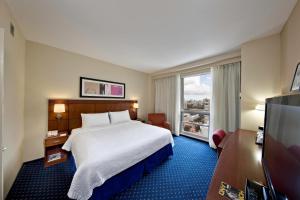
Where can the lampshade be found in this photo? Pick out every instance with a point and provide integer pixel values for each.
(59, 108)
(260, 107)
(136, 105)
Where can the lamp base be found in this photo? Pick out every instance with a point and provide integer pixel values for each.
(58, 115)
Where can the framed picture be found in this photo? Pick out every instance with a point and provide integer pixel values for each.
(94, 88)
(296, 81)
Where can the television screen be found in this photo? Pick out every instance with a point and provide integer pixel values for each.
(281, 151)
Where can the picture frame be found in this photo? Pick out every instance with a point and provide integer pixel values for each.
(96, 88)
(296, 80)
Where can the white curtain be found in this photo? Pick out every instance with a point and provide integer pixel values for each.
(167, 100)
(225, 106)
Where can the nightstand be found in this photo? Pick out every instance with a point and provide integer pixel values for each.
(53, 152)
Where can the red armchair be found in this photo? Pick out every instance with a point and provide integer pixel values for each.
(217, 137)
(158, 119)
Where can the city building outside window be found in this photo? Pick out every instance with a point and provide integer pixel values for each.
(195, 108)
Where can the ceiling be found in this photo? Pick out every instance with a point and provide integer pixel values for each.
(149, 35)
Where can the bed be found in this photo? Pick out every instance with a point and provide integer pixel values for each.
(110, 158)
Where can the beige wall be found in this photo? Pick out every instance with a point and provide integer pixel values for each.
(54, 73)
(13, 126)
(290, 52)
(260, 78)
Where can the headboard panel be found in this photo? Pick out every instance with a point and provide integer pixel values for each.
(72, 117)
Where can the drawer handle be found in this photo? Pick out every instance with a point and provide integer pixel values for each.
(56, 141)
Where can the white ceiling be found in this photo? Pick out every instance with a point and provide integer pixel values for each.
(149, 35)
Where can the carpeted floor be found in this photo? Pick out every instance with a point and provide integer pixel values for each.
(186, 176)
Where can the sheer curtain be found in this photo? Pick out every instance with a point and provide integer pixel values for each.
(225, 106)
(167, 100)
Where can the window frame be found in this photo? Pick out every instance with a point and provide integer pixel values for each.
(182, 110)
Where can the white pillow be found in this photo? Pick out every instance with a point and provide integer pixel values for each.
(117, 117)
(94, 120)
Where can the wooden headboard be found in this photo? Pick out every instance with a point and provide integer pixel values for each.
(72, 119)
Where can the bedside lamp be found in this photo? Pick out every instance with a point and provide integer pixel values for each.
(58, 109)
(136, 105)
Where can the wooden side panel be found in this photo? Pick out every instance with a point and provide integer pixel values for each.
(55, 124)
(60, 125)
(75, 110)
(72, 117)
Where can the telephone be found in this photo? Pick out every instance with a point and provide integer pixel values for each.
(52, 133)
(260, 135)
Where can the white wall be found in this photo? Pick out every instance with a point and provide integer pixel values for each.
(1, 103)
(54, 73)
(260, 78)
(14, 66)
(290, 54)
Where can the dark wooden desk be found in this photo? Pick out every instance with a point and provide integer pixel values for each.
(240, 159)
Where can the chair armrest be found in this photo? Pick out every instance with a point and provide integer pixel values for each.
(167, 125)
(149, 122)
(218, 136)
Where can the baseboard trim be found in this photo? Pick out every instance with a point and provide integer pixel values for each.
(32, 160)
(194, 137)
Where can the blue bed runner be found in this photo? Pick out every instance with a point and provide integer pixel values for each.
(129, 176)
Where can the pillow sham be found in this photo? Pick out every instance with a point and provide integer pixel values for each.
(94, 120)
(117, 117)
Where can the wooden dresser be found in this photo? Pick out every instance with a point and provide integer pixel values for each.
(240, 159)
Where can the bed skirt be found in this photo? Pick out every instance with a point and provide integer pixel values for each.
(125, 179)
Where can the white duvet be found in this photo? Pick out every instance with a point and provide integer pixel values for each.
(101, 153)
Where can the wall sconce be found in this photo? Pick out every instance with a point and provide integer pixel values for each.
(136, 105)
(58, 109)
(260, 107)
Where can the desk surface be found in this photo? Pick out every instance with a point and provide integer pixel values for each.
(240, 159)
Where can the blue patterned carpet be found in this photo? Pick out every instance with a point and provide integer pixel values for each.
(186, 176)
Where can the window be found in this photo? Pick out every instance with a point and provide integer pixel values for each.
(195, 108)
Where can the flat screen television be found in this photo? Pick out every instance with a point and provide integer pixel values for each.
(281, 147)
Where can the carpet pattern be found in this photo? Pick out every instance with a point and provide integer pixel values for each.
(185, 176)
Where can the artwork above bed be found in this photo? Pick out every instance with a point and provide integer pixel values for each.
(71, 118)
(94, 88)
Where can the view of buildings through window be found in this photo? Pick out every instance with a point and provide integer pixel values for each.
(196, 105)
